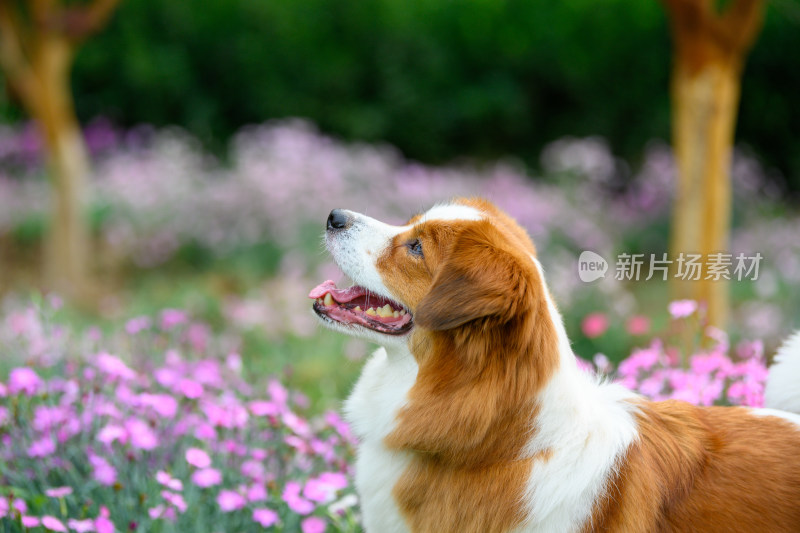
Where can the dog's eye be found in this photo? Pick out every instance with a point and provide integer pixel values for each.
(415, 247)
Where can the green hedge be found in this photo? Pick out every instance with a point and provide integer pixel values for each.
(437, 78)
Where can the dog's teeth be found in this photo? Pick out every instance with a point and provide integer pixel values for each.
(396, 314)
(328, 299)
(402, 312)
(358, 308)
(385, 311)
(371, 311)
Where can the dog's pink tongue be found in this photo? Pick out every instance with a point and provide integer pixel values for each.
(340, 295)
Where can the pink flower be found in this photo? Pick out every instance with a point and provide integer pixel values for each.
(323, 488)
(198, 458)
(253, 469)
(172, 317)
(229, 500)
(207, 477)
(278, 392)
(313, 524)
(135, 325)
(638, 325)
(257, 493)
(59, 492)
(168, 481)
(81, 526)
(30, 521)
(114, 367)
(112, 432)
(594, 325)
(263, 408)
(291, 495)
(43, 447)
(190, 389)
(53, 524)
(682, 308)
(25, 380)
(163, 404)
(265, 517)
(102, 471)
(141, 434)
(102, 523)
(175, 499)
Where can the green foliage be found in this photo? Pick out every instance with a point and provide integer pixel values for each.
(437, 78)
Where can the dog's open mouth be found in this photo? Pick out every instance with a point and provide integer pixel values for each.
(358, 306)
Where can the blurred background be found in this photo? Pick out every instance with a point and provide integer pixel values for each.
(220, 134)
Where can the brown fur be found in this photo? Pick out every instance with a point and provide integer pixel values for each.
(705, 469)
(485, 346)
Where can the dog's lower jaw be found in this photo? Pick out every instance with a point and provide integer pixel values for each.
(371, 411)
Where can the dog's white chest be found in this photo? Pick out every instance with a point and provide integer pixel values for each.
(371, 410)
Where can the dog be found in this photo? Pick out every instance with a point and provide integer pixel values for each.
(473, 416)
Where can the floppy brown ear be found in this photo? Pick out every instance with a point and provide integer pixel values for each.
(478, 279)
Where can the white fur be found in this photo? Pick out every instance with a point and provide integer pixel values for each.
(791, 417)
(783, 383)
(357, 249)
(451, 212)
(380, 393)
(586, 426)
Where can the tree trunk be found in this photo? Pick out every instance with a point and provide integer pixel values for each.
(704, 115)
(709, 53)
(67, 243)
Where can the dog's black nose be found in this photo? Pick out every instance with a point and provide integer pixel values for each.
(339, 219)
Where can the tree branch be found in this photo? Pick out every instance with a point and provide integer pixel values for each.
(12, 55)
(743, 21)
(78, 23)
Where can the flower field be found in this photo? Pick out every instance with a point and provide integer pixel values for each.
(152, 428)
(203, 396)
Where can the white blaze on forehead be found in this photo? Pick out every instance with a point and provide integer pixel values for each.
(451, 212)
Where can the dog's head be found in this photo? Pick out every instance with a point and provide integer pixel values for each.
(459, 265)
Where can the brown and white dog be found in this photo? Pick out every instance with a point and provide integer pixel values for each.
(474, 416)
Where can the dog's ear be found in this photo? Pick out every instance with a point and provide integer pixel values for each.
(481, 277)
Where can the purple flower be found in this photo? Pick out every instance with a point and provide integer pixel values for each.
(198, 458)
(265, 517)
(229, 500)
(313, 524)
(207, 477)
(141, 434)
(25, 380)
